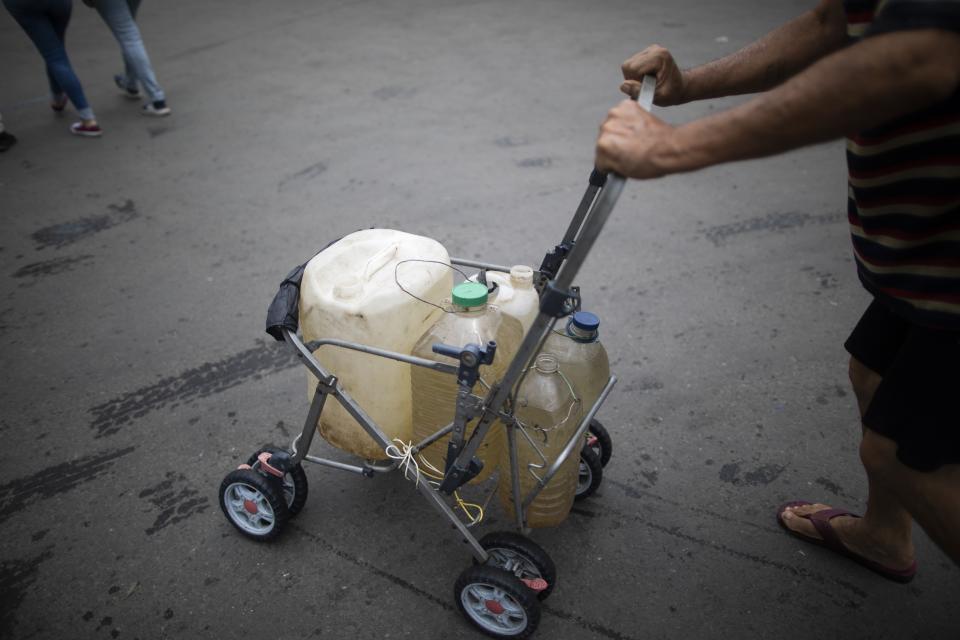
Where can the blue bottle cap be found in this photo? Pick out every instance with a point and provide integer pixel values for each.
(586, 321)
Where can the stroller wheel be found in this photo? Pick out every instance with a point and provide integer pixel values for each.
(600, 441)
(254, 504)
(590, 473)
(294, 481)
(522, 557)
(497, 602)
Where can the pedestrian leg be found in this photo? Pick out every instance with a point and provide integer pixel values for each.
(119, 18)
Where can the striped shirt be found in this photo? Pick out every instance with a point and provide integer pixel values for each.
(904, 184)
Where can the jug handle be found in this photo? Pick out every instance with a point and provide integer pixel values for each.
(378, 261)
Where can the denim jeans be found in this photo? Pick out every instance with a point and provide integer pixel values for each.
(45, 22)
(120, 17)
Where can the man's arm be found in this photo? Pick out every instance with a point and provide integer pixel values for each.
(859, 87)
(757, 67)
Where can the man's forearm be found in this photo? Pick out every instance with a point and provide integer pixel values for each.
(859, 87)
(772, 59)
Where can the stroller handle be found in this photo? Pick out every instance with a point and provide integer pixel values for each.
(647, 88)
(645, 99)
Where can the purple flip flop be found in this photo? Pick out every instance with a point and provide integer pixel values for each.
(821, 521)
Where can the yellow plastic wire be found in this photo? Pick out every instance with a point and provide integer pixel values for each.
(403, 452)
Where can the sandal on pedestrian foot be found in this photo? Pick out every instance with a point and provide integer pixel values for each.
(830, 540)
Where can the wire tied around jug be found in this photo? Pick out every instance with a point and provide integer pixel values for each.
(574, 402)
(405, 453)
(396, 279)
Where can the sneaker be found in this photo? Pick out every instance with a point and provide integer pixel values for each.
(7, 140)
(156, 108)
(127, 92)
(87, 131)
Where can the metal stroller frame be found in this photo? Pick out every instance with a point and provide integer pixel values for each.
(558, 298)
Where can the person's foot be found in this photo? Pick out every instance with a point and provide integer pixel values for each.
(7, 140)
(89, 129)
(855, 534)
(58, 103)
(156, 108)
(132, 93)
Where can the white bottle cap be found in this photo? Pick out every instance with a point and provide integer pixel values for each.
(521, 275)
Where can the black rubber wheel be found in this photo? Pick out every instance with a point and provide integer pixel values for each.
(521, 556)
(254, 504)
(295, 487)
(604, 444)
(496, 602)
(590, 473)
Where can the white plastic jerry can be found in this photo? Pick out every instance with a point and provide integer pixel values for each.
(515, 294)
(364, 289)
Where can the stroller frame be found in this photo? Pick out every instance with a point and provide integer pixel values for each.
(497, 598)
(584, 229)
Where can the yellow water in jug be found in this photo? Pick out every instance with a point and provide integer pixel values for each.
(350, 291)
(469, 320)
(582, 357)
(549, 415)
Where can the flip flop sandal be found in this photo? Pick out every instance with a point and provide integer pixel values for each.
(821, 522)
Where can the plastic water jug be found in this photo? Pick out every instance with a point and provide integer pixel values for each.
(549, 415)
(515, 295)
(350, 291)
(582, 357)
(469, 320)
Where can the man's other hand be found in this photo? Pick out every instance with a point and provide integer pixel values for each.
(654, 61)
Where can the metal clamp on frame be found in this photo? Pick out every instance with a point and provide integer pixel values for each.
(471, 357)
(468, 407)
(557, 302)
(551, 263)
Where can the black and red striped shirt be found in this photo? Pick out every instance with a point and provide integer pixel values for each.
(904, 184)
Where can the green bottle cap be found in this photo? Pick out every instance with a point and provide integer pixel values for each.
(470, 294)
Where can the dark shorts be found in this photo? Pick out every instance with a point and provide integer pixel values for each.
(918, 403)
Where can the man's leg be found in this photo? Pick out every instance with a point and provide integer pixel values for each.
(883, 534)
(933, 497)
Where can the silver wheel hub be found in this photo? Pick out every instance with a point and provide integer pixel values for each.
(493, 609)
(248, 508)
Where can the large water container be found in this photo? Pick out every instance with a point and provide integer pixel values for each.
(582, 357)
(549, 415)
(515, 294)
(469, 320)
(350, 291)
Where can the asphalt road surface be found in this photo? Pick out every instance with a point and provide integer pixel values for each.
(136, 270)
